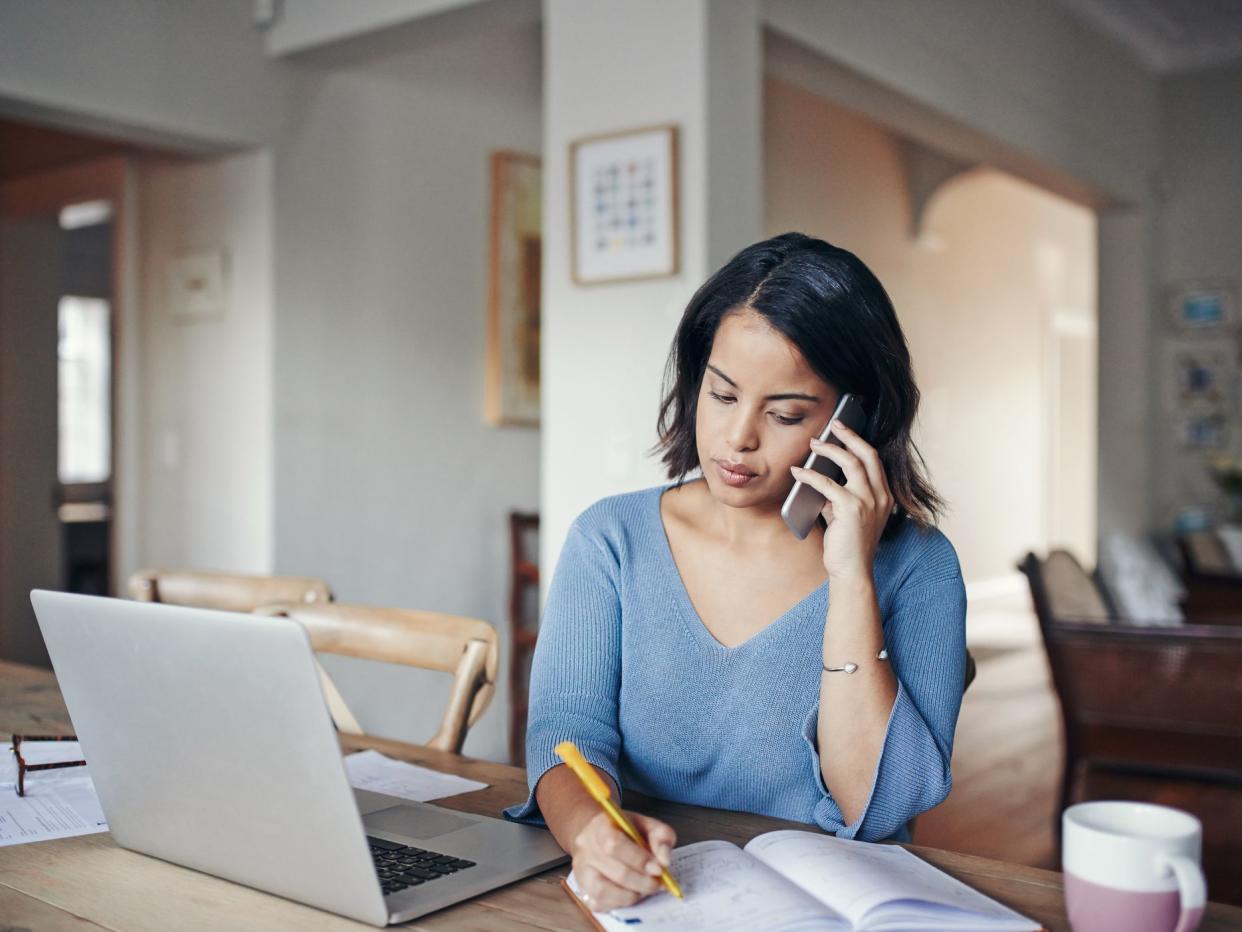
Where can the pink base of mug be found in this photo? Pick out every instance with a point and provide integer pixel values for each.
(1095, 908)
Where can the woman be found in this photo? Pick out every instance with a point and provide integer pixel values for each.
(695, 649)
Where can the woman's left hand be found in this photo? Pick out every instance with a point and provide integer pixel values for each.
(857, 511)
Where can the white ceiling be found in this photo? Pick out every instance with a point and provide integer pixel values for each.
(1170, 35)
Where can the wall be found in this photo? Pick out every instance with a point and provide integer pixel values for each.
(972, 301)
(1200, 239)
(185, 74)
(388, 483)
(206, 462)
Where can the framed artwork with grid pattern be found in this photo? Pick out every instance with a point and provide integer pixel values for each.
(624, 214)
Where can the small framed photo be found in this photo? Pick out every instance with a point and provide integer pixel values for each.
(623, 211)
(1203, 305)
(197, 286)
(1199, 376)
(1201, 431)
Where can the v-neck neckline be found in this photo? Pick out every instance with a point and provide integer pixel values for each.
(690, 615)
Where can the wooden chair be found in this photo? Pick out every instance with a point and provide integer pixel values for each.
(1154, 701)
(523, 624)
(228, 592)
(465, 647)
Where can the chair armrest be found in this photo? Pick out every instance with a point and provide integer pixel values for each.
(1195, 633)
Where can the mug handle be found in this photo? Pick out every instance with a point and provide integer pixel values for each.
(1193, 890)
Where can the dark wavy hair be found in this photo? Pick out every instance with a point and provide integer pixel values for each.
(828, 304)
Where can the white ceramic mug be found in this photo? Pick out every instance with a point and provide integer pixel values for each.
(1132, 866)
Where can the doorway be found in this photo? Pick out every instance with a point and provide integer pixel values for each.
(85, 322)
(62, 213)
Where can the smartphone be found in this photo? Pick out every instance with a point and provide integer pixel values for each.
(804, 503)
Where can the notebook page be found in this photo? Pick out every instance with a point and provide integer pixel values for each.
(856, 877)
(725, 890)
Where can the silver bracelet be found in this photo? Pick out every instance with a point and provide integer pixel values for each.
(853, 667)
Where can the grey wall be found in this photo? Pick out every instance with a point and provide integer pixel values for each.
(1199, 237)
(189, 72)
(206, 479)
(388, 482)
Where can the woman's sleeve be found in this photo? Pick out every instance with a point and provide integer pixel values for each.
(925, 634)
(576, 672)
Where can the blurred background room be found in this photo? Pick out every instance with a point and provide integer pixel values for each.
(292, 287)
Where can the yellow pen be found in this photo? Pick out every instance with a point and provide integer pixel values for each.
(569, 753)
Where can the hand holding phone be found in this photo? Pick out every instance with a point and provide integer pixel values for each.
(804, 504)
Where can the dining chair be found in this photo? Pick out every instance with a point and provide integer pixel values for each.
(230, 592)
(523, 624)
(465, 647)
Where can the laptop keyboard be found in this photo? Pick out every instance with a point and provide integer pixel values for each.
(400, 866)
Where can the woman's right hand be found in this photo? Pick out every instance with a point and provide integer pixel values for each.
(612, 869)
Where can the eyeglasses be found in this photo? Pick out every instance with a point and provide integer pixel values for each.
(23, 767)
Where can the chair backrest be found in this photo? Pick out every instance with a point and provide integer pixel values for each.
(1213, 583)
(1070, 591)
(229, 592)
(465, 647)
(1113, 679)
(1205, 554)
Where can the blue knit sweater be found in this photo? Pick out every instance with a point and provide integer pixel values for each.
(626, 669)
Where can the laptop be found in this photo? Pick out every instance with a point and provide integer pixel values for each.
(211, 746)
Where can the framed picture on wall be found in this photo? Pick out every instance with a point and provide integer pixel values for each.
(198, 286)
(514, 290)
(1203, 305)
(623, 210)
(1201, 431)
(1199, 376)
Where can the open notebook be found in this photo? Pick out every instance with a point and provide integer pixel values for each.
(792, 880)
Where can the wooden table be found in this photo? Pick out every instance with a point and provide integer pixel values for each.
(88, 882)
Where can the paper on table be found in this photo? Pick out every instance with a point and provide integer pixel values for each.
(63, 803)
(371, 770)
(57, 804)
